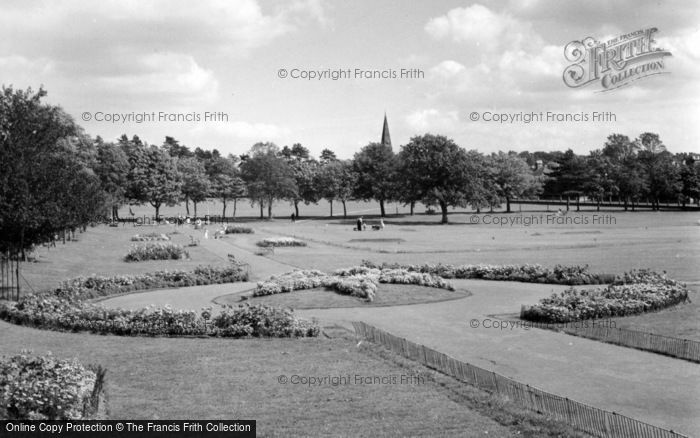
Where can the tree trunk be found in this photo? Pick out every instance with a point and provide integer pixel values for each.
(187, 205)
(381, 208)
(507, 204)
(568, 201)
(157, 206)
(223, 213)
(269, 208)
(330, 201)
(262, 204)
(413, 206)
(235, 201)
(296, 209)
(345, 210)
(443, 207)
(195, 209)
(578, 203)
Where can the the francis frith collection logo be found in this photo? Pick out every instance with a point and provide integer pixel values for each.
(614, 63)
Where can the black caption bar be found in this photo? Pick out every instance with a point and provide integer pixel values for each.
(127, 428)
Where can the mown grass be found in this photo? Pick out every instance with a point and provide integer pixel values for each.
(101, 251)
(159, 378)
(320, 298)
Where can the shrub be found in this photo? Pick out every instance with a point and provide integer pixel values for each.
(260, 320)
(150, 237)
(237, 229)
(358, 281)
(632, 293)
(156, 251)
(64, 309)
(570, 275)
(281, 241)
(46, 388)
(54, 313)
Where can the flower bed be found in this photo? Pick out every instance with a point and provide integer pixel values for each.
(156, 251)
(150, 237)
(55, 313)
(100, 286)
(570, 275)
(359, 281)
(237, 229)
(631, 293)
(281, 241)
(46, 388)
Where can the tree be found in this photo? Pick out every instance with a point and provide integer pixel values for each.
(375, 167)
(512, 177)
(661, 173)
(112, 168)
(268, 177)
(600, 182)
(226, 183)
(627, 174)
(689, 179)
(175, 149)
(195, 183)
(45, 185)
(336, 181)
(153, 177)
(433, 168)
(569, 179)
(327, 156)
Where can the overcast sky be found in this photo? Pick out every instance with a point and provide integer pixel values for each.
(224, 56)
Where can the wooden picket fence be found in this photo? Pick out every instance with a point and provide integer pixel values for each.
(586, 418)
(676, 347)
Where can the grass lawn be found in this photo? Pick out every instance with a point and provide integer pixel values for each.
(163, 378)
(681, 321)
(320, 298)
(101, 250)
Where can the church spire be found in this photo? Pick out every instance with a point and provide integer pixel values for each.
(386, 138)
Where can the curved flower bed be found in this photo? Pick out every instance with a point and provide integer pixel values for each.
(150, 237)
(65, 309)
(359, 281)
(46, 388)
(631, 293)
(570, 275)
(281, 241)
(100, 286)
(54, 313)
(156, 251)
(237, 229)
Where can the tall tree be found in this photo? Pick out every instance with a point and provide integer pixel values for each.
(45, 185)
(112, 168)
(226, 183)
(512, 177)
(268, 177)
(336, 181)
(153, 177)
(195, 182)
(436, 170)
(375, 167)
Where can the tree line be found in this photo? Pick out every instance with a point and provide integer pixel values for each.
(54, 176)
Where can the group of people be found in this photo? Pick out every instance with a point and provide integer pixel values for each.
(361, 226)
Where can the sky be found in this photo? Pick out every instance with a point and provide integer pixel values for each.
(215, 67)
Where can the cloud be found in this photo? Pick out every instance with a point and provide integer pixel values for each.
(164, 76)
(481, 27)
(431, 119)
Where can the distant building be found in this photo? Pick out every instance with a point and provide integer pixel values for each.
(386, 138)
